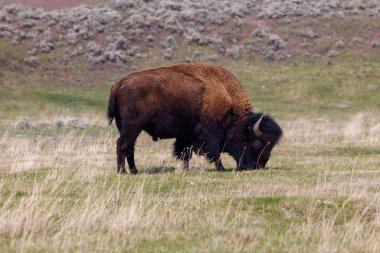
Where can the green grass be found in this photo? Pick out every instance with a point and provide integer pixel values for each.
(64, 194)
(297, 87)
(59, 190)
(187, 217)
(52, 98)
(76, 100)
(312, 87)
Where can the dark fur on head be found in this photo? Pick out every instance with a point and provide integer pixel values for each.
(251, 151)
(270, 129)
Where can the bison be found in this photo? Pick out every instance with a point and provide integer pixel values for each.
(201, 105)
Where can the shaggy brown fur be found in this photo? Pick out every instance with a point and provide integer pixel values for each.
(201, 105)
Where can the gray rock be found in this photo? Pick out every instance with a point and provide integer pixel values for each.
(375, 44)
(86, 34)
(276, 42)
(116, 56)
(170, 42)
(124, 4)
(220, 48)
(72, 38)
(32, 52)
(308, 34)
(260, 32)
(94, 60)
(169, 53)
(357, 40)
(43, 125)
(280, 57)
(59, 123)
(213, 57)
(46, 46)
(333, 54)
(31, 60)
(15, 8)
(121, 43)
(195, 36)
(133, 51)
(76, 123)
(52, 22)
(77, 52)
(269, 53)
(94, 49)
(99, 29)
(138, 32)
(239, 22)
(234, 52)
(28, 24)
(281, 9)
(25, 123)
(340, 44)
(149, 38)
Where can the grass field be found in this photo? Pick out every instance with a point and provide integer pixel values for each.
(321, 193)
(60, 191)
(315, 70)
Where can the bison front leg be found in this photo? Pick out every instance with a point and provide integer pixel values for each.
(215, 157)
(212, 148)
(212, 152)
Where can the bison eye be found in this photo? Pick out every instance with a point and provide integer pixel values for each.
(257, 145)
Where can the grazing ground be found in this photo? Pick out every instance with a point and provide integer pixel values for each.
(60, 191)
(312, 65)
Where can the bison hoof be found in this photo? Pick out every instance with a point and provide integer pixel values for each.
(134, 171)
(122, 172)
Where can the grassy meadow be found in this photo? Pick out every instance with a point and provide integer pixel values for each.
(59, 190)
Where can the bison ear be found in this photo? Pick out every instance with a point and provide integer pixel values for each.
(256, 127)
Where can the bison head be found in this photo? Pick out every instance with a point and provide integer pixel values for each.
(252, 141)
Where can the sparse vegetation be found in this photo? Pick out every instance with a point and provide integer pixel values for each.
(72, 28)
(59, 190)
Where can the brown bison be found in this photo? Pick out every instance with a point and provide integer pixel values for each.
(201, 105)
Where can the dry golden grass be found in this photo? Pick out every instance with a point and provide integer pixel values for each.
(59, 192)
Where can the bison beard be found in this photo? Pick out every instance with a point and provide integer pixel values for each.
(201, 105)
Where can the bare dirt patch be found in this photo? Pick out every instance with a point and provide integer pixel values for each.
(51, 4)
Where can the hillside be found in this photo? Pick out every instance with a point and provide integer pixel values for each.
(322, 55)
(128, 32)
(312, 65)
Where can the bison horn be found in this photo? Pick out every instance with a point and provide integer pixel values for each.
(256, 127)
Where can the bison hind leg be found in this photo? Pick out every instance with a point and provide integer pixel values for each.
(183, 151)
(125, 149)
(121, 146)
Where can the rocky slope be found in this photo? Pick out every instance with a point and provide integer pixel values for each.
(124, 31)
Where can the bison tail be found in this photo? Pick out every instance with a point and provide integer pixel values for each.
(111, 111)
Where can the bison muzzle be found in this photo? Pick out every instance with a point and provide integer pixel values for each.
(202, 106)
